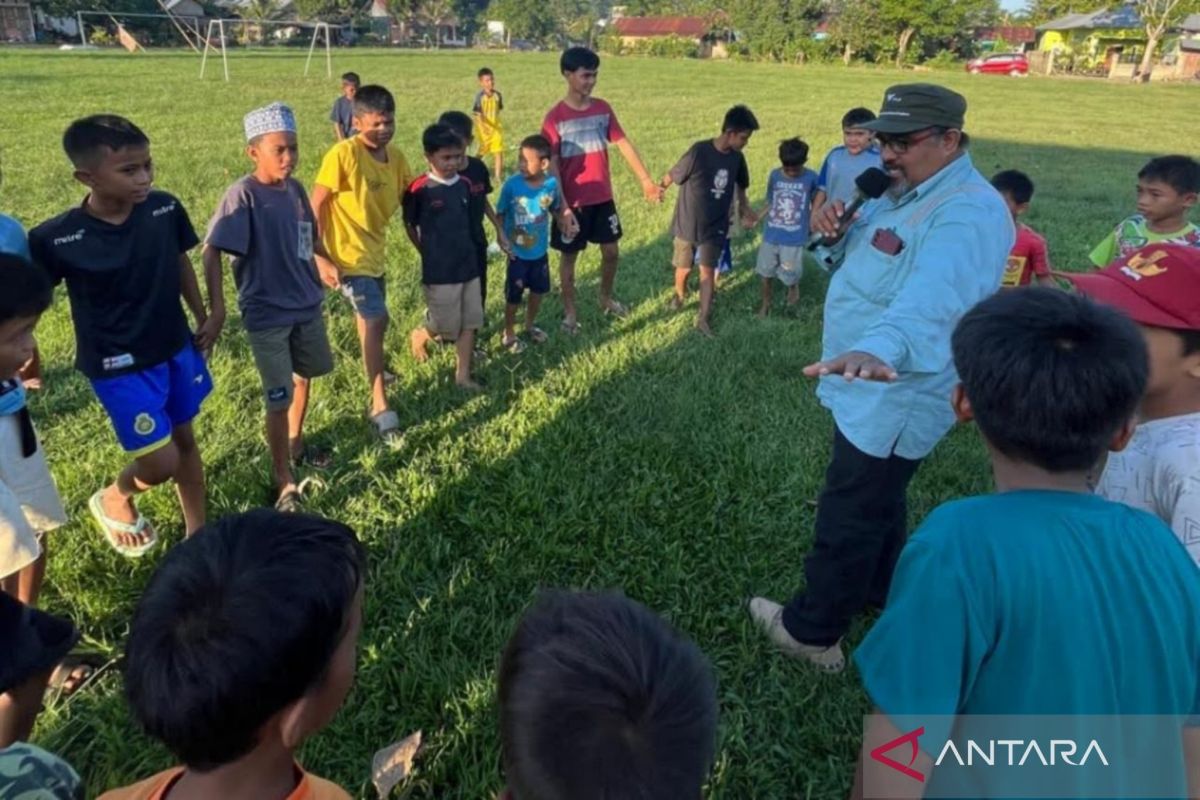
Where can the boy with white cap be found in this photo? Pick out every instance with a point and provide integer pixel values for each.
(266, 225)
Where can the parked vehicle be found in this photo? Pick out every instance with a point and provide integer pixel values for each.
(1014, 64)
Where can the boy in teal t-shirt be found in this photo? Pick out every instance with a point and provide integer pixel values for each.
(1167, 189)
(1043, 598)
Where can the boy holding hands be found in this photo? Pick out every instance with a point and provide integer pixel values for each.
(437, 217)
(709, 175)
(123, 256)
(579, 129)
(266, 225)
(358, 189)
(789, 194)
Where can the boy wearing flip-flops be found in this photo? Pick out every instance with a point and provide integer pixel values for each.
(266, 225)
(123, 256)
(528, 201)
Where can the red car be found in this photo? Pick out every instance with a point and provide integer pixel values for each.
(1014, 64)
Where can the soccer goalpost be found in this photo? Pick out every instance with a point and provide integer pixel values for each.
(216, 33)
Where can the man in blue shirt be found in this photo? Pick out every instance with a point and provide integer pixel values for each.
(1043, 599)
(909, 266)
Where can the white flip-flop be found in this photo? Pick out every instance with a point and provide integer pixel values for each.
(109, 526)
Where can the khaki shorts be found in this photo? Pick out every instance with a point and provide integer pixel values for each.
(684, 255)
(452, 308)
(778, 261)
(280, 353)
(29, 501)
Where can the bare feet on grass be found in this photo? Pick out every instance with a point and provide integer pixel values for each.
(702, 326)
(418, 342)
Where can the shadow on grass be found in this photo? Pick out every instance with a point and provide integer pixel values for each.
(638, 455)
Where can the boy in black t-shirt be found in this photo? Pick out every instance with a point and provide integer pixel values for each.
(123, 256)
(474, 170)
(709, 175)
(437, 216)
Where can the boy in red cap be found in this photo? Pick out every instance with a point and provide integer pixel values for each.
(1158, 286)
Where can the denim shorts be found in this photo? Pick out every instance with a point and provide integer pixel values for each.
(368, 295)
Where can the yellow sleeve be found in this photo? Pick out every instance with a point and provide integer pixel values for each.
(403, 173)
(332, 175)
(1106, 251)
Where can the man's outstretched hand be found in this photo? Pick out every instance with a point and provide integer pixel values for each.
(854, 365)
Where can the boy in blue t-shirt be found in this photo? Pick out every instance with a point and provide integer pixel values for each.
(847, 161)
(527, 202)
(789, 193)
(1043, 598)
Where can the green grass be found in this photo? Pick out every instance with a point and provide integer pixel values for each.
(637, 456)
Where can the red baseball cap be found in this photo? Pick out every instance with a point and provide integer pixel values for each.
(1157, 285)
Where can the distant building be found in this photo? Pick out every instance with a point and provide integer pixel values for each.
(634, 31)
(16, 21)
(1015, 38)
(1095, 40)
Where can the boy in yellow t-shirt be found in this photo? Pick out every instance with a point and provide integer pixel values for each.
(359, 187)
(487, 107)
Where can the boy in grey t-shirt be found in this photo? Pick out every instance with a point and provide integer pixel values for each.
(265, 223)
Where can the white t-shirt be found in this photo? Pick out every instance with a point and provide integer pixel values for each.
(1159, 472)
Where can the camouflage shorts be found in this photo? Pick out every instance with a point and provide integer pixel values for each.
(30, 773)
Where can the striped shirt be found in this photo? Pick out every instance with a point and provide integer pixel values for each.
(580, 139)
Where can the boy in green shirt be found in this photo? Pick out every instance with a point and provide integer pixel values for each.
(1167, 188)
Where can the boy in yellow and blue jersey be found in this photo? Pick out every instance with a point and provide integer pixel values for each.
(486, 108)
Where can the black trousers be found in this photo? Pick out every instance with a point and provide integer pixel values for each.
(861, 527)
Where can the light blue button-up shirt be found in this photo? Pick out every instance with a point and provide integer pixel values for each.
(902, 307)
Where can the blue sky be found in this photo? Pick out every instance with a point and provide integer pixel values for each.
(1012, 5)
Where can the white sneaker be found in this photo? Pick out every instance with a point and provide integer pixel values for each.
(769, 615)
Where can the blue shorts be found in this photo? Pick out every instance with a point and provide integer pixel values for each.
(368, 295)
(146, 406)
(724, 262)
(533, 275)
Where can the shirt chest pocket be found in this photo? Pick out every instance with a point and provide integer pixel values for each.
(881, 260)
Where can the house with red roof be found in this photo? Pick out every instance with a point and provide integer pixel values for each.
(636, 31)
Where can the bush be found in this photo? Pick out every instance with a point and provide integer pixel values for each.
(944, 60)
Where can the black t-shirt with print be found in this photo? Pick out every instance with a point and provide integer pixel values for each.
(442, 212)
(481, 186)
(707, 180)
(123, 282)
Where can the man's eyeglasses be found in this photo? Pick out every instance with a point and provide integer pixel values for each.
(900, 144)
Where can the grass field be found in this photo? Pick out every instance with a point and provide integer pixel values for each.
(637, 456)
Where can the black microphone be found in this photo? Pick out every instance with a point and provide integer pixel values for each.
(872, 183)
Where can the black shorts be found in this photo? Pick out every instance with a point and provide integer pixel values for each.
(598, 224)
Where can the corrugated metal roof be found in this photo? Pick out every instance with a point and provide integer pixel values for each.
(691, 27)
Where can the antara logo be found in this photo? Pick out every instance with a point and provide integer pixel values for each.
(1012, 753)
(167, 209)
(72, 237)
(1139, 266)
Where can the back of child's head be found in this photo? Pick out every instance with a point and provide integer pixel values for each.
(27, 289)
(485, 72)
(793, 152)
(86, 139)
(577, 58)
(1181, 173)
(538, 143)
(1015, 184)
(458, 122)
(1051, 376)
(239, 622)
(857, 117)
(373, 99)
(440, 137)
(351, 78)
(739, 119)
(601, 698)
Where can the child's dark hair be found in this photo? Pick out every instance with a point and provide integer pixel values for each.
(485, 72)
(857, 117)
(576, 58)
(27, 288)
(1051, 376)
(458, 122)
(86, 138)
(440, 137)
(1191, 341)
(238, 622)
(739, 119)
(600, 697)
(373, 99)
(537, 142)
(1181, 173)
(1015, 184)
(351, 78)
(793, 152)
